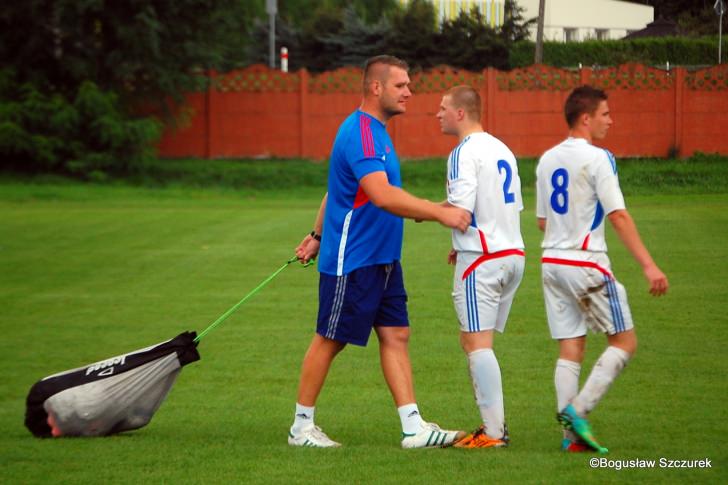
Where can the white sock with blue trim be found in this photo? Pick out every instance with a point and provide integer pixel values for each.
(486, 376)
(566, 382)
(410, 417)
(606, 369)
(304, 417)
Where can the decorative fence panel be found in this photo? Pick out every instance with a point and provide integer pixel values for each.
(260, 112)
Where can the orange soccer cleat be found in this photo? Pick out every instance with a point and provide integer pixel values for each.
(479, 439)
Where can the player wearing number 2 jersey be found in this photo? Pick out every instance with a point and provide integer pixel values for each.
(576, 190)
(482, 178)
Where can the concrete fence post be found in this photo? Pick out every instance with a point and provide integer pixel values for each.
(303, 113)
(679, 86)
(585, 75)
(490, 100)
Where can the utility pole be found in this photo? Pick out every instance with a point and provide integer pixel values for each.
(271, 6)
(538, 56)
(720, 10)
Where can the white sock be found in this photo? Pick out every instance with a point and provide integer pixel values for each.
(304, 417)
(607, 368)
(566, 382)
(486, 376)
(410, 417)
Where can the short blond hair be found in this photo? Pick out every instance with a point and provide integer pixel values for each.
(466, 98)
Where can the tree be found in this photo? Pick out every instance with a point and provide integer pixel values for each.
(75, 75)
(330, 37)
(298, 13)
(414, 35)
(470, 43)
(515, 27)
(316, 51)
(286, 36)
(145, 49)
(704, 22)
(695, 17)
(357, 40)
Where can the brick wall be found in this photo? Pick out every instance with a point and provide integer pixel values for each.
(259, 112)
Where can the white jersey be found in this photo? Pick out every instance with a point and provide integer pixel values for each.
(576, 186)
(482, 178)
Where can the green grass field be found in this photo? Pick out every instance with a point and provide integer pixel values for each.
(92, 271)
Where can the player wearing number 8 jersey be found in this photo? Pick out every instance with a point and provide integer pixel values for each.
(482, 178)
(576, 190)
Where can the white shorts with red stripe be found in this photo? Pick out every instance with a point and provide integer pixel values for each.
(483, 289)
(581, 293)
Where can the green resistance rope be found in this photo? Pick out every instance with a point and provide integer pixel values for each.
(255, 290)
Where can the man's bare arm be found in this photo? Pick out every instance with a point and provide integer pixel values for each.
(627, 231)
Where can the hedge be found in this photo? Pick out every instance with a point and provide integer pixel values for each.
(651, 51)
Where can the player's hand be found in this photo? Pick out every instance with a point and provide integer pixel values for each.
(456, 218)
(308, 249)
(452, 257)
(657, 280)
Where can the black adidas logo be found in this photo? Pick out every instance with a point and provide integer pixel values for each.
(413, 413)
(303, 416)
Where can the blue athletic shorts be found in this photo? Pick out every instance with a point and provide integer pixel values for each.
(350, 305)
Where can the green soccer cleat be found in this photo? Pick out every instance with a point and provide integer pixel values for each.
(570, 420)
(576, 446)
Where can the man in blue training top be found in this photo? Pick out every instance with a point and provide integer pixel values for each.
(361, 285)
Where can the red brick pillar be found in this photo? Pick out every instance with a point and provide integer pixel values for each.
(303, 113)
(679, 85)
(490, 100)
(212, 120)
(207, 116)
(585, 75)
(394, 133)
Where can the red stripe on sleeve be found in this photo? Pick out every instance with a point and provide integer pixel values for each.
(367, 140)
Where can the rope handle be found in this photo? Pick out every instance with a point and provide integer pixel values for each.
(255, 290)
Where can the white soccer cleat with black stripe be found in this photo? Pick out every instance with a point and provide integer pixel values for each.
(431, 436)
(311, 436)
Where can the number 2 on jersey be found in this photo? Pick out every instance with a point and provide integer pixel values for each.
(560, 195)
(509, 197)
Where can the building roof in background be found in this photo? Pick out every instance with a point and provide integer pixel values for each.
(659, 28)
